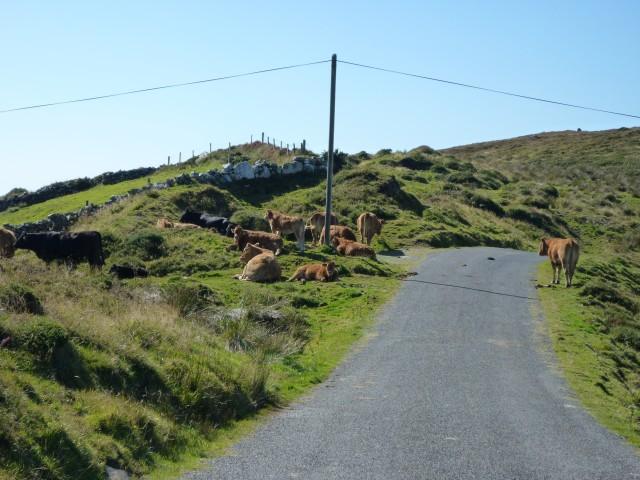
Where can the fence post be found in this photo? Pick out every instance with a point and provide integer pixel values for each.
(180, 158)
(332, 115)
(262, 137)
(168, 159)
(209, 147)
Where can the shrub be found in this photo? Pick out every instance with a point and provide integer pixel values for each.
(383, 151)
(19, 299)
(605, 293)
(250, 220)
(210, 199)
(42, 338)
(189, 297)
(483, 203)
(628, 335)
(537, 219)
(466, 178)
(417, 162)
(147, 245)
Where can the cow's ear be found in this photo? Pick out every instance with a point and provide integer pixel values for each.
(325, 265)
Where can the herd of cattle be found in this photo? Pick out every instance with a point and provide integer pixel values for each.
(259, 248)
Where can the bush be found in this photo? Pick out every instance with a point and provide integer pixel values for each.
(466, 178)
(483, 203)
(19, 299)
(189, 297)
(605, 293)
(210, 199)
(147, 245)
(250, 220)
(537, 219)
(417, 162)
(42, 338)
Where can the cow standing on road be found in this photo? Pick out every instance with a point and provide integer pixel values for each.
(563, 254)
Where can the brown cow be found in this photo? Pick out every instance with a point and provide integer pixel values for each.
(352, 249)
(266, 240)
(250, 251)
(263, 267)
(368, 226)
(563, 254)
(282, 225)
(7, 243)
(323, 272)
(166, 223)
(316, 224)
(339, 231)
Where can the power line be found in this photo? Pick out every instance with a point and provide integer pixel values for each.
(492, 90)
(162, 87)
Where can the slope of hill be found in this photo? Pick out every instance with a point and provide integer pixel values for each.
(138, 373)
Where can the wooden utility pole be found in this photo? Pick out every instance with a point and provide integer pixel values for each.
(332, 117)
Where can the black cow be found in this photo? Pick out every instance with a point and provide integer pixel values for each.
(125, 271)
(206, 220)
(72, 247)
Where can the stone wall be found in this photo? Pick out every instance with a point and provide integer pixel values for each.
(230, 173)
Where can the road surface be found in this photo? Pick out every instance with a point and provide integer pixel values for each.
(458, 382)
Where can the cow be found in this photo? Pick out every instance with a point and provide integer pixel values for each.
(322, 272)
(7, 243)
(352, 249)
(368, 226)
(316, 224)
(282, 225)
(339, 231)
(71, 247)
(166, 223)
(126, 271)
(563, 254)
(265, 240)
(206, 220)
(263, 267)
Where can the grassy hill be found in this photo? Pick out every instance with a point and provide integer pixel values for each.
(146, 372)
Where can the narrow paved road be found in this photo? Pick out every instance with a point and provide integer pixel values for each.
(457, 383)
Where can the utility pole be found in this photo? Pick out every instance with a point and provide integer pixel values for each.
(332, 117)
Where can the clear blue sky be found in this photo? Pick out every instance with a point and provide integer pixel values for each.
(580, 52)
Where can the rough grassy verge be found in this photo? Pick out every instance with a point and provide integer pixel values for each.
(594, 339)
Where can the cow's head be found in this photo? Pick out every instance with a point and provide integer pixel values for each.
(250, 251)
(543, 249)
(269, 215)
(335, 241)
(331, 268)
(379, 224)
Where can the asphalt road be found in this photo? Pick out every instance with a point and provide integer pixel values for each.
(458, 382)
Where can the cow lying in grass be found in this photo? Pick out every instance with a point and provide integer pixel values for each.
(222, 225)
(166, 223)
(316, 225)
(242, 237)
(368, 226)
(352, 249)
(322, 272)
(7, 243)
(262, 265)
(563, 254)
(339, 231)
(282, 225)
(126, 271)
(70, 248)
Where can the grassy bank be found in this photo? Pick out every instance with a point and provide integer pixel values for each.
(155, 372)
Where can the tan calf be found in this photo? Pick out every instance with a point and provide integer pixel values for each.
(322, 272)
(282, 225)
(263, 267)
(166, 223)
(368, 226)
(339, 231)
(352, 249)
(316, 225)
(563, 254)
(7, 243)
(265, 240)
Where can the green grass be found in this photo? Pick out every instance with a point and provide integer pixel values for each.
(152, 374)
